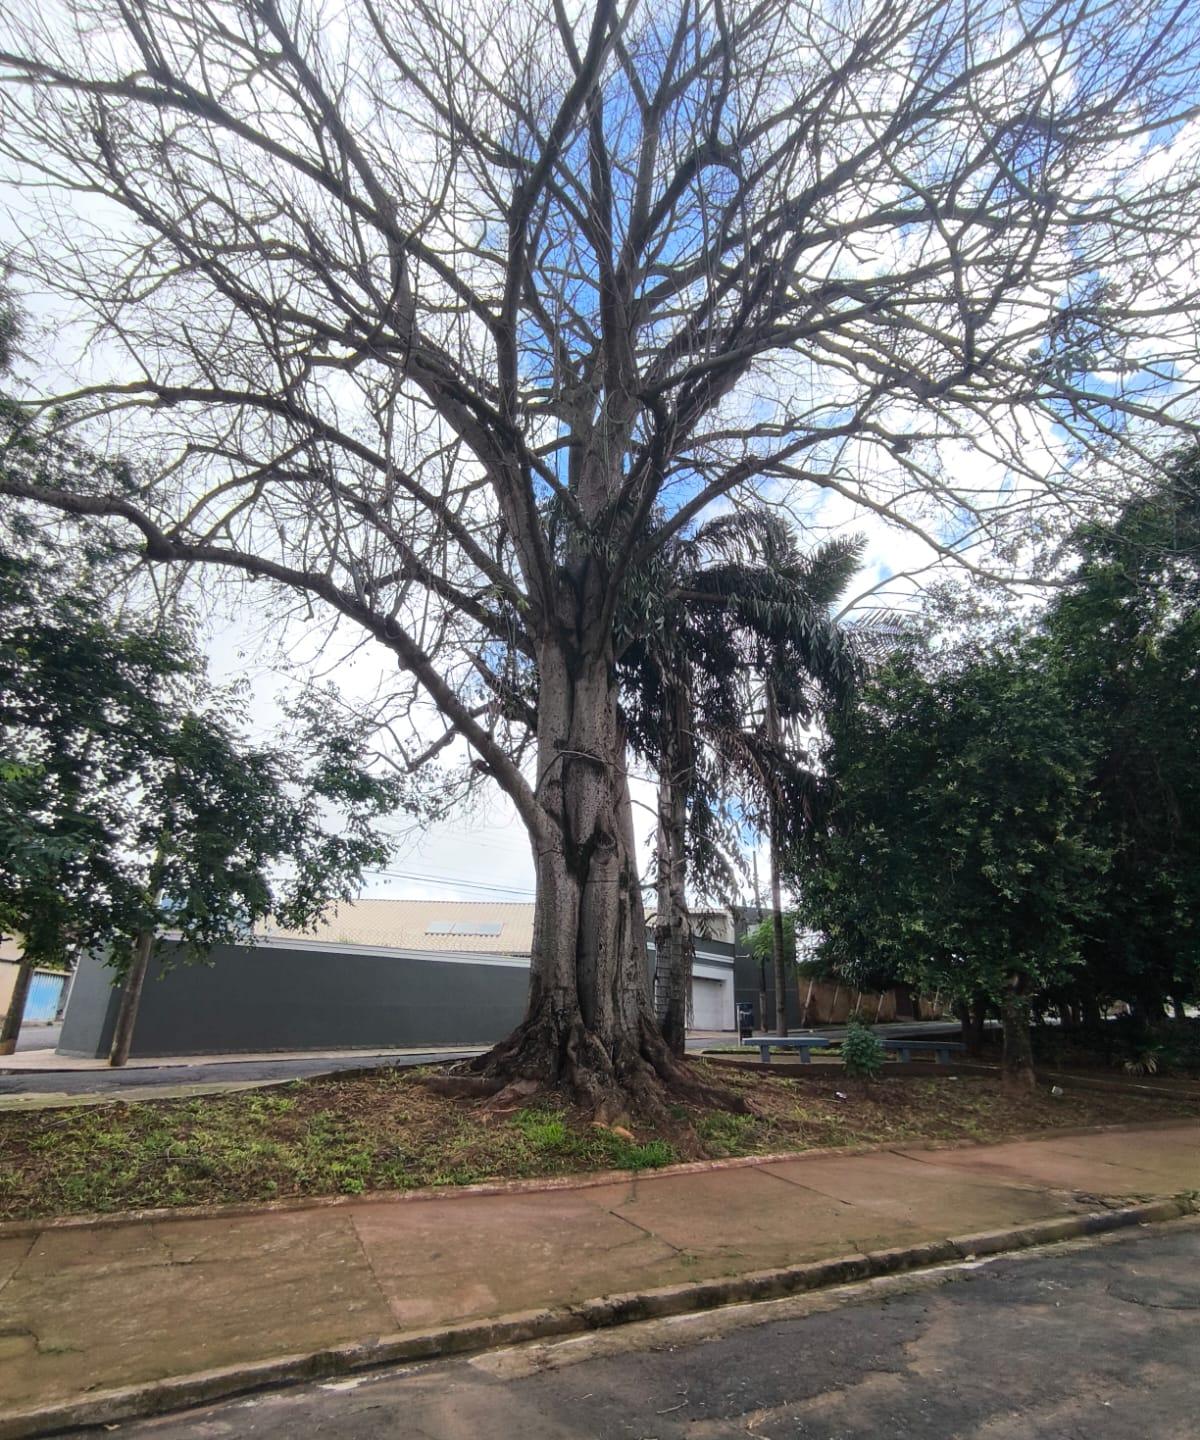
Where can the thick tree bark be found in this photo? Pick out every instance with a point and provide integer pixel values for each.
(16, 1008)
(589, 1027)
(1018, 1073)
(131, 998)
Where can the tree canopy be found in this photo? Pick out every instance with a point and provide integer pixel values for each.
(957, 855)
(1125, 637)
(1018, 816)
(130, 800)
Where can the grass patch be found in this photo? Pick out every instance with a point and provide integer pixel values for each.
(387, 1132)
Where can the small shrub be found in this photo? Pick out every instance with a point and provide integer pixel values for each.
(1146, 1060)
(862, 1053)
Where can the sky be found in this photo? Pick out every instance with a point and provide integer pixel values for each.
(482, 850)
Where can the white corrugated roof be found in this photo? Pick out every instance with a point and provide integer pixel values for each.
(486, 927)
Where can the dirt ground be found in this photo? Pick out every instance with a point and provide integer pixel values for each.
(387, 1131)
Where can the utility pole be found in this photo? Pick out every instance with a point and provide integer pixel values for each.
(774, 827)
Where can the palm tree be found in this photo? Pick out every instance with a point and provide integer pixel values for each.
(744, 653)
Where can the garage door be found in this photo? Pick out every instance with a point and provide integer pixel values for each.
(708, 1005)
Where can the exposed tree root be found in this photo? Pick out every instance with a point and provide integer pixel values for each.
(636, 1077)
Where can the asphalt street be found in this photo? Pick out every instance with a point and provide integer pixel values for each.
(1093, 1341)
(39, 1037)
(90, 1082)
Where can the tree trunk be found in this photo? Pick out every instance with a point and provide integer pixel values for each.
(673, 939)
(1018, 1073)
(972, 1016)
(589, 1027)
(131, 998)
(764, 1018)
(16, 1008)
(778, 954)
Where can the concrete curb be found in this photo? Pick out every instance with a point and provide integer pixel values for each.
(581, 1180)
(823, 1072)
(156, 1397)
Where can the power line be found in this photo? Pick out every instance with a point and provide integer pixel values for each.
(460, 884)
(451, 880)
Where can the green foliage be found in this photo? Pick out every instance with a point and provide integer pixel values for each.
(862, 1052)
(548, 1135)
(543, 1131)
(723, 607)
(761, 939)
(1125, 636)
(130, 799)
(958, 856)
(1020, 816)
(81, 727)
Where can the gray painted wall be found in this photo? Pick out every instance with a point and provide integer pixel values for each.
(286, 997)
(91, 1010)
(274, 997)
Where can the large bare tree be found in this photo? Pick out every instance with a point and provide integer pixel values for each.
(452, 317)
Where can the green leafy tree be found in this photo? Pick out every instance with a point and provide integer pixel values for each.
(958, 854)
(1125, 636)
(78, 720)
(130, 801)
(226, 833)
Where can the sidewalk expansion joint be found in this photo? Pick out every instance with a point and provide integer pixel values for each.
(808, 1189)
(21, 1263)
(650, 1234)
(368, 1262)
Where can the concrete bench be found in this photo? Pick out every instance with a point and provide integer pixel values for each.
(942, 1049)
(800, 1043)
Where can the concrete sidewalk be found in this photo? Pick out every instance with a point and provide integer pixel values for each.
(87, 1309)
